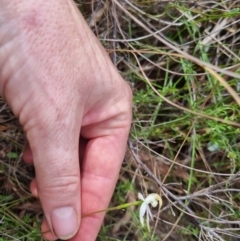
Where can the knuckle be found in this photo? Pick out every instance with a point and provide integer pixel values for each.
(60, 185)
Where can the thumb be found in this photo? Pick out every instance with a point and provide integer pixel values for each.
(54, 147)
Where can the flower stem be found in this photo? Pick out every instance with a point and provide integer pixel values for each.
(122, 206)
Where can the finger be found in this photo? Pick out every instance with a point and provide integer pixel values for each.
(56, 161)
(103, 157)
(27, 155)
(99, 174)
(33, 188)
(46, 231)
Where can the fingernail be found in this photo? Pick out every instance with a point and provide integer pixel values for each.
(64, 222)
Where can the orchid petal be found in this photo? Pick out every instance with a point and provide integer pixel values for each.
(148, 225)
(142, 212)
(140, 196)
(154, 199)
(154, 203)
(150, 198)
(149, 213)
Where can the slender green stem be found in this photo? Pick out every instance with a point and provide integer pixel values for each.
(122, 206)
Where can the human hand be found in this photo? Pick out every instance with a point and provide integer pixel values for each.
(60, 83)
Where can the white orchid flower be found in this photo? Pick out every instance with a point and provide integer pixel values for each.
(154, 199)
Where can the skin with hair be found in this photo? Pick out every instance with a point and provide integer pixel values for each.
(74, 108)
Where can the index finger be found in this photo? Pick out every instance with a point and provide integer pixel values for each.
(99, 174)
